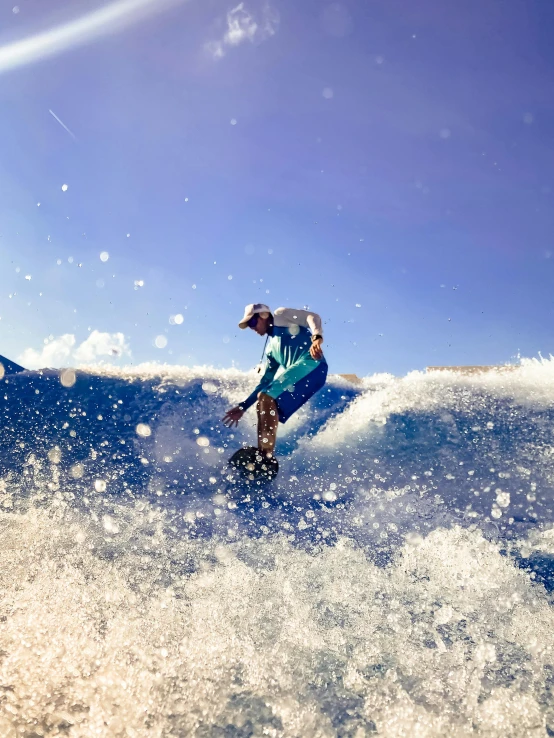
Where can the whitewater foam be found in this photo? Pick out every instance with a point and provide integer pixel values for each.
(153, 634)
(395, 581)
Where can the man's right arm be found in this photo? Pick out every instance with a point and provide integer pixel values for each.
(267, 378)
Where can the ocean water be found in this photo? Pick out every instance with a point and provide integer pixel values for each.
(395, 581)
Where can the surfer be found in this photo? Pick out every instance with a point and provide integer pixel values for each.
(293, 343)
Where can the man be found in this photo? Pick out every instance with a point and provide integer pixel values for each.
(294, 343)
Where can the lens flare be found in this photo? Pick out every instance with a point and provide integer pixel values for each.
(102, 22)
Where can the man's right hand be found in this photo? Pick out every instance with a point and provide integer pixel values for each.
(233, 416)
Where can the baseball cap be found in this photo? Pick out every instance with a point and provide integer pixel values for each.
(251, 310)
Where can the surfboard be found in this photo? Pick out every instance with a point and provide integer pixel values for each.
(252, 465)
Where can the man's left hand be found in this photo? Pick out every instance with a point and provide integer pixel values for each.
(315, 349)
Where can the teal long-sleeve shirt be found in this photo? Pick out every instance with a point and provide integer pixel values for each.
(289, 350)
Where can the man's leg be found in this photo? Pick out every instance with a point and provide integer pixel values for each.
(268, 420)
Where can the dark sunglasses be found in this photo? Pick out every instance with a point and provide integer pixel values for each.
(253, 321)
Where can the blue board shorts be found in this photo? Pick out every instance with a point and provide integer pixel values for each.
(293, 396)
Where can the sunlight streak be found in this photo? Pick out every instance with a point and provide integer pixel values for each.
(107, 20)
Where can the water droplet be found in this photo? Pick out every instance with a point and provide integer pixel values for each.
(54, 455)
(67, 377)
(104, 256)
(64, 188)
(160, 342)
(77, 471)
(143, 430)
(502, 498)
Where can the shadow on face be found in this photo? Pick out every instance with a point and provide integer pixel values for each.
(262, 324)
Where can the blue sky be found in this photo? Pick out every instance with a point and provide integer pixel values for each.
(389, 164)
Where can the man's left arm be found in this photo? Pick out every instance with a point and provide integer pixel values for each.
(313, 322)
(308, 319)
(305, 318)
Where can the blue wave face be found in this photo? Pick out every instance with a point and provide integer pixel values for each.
(394, 578)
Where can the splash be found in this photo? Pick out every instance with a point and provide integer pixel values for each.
(373, 592)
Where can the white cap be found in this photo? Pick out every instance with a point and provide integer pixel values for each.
(251, 310)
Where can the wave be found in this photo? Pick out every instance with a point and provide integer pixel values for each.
(395, 581)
